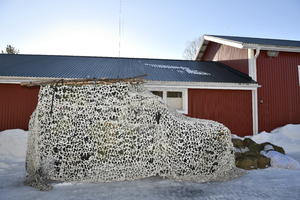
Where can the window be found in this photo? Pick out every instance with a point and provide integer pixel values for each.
(158, 93)
(175, 98)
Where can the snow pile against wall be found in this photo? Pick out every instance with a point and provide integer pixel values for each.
(287, 137)
(121, 131)
(13, 145)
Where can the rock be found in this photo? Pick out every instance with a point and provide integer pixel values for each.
(276, 148)
(248, 141)
(251, 153)
(238, 155)
(252, 159)
(263, 162)
(253, 146)
(238, 143)
(248, 163)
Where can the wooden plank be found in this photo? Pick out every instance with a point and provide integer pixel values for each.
(135, 79)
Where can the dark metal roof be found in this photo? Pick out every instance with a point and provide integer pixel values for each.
(261, 41)
(51, 66)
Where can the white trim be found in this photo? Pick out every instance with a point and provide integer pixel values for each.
(174, 89)
(10, 82)
(252, 73)
(200, 47)
(172, 84)
(251, 67)
(241, 45)
(201, 85)
(271, 47)
(224, 41)
(254, 112)
(18, 80)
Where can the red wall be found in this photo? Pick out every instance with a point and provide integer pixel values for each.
(279, 96)
(230, 107)
(233, 108)
(234, 57)
(16, 105)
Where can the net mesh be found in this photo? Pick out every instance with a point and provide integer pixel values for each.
(121, 131)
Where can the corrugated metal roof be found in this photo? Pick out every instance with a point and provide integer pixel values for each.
(51, 66)
(261, 41)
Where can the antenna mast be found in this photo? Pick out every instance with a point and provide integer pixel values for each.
(120, 27)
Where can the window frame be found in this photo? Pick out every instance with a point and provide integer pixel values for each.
(184, 92)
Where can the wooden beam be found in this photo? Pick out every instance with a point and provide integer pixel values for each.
(135, 79)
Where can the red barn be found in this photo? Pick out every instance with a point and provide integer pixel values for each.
(220, 85)
(274, 64)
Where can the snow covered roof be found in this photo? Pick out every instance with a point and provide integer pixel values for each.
(53, 66)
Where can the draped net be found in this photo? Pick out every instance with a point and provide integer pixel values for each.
(121, 131)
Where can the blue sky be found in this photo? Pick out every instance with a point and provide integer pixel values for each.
(150, 28)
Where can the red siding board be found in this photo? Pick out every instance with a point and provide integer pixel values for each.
(16, 105)
(234, 57)
(279, 96)
(233, 108)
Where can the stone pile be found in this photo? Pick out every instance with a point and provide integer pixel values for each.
(247, 154)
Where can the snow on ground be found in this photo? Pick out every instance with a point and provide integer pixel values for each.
(268, 183)
(13, 144)
(12, 148)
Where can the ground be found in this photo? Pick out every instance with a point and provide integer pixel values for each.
(271, 183)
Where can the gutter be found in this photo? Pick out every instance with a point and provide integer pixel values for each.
(18, 80)
(252, 59)
(149, 83)
(202, 85)
(257, 53)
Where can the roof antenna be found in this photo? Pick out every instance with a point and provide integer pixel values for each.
(120, 15)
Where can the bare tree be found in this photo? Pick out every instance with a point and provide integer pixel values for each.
(191, 49)
(10, 50)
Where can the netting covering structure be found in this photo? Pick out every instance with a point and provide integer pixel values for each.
(121, 131)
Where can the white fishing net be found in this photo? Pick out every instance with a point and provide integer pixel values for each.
(121, 131)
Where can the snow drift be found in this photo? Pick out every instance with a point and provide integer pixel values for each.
(13, 145)
(121, 131)
(287, 137)
(279, 160)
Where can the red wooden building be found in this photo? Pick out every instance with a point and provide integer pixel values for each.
(274, 64)
(220, 85)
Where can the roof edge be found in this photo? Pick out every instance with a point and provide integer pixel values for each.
(241, 45)
(149, 83)
(202, 85)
